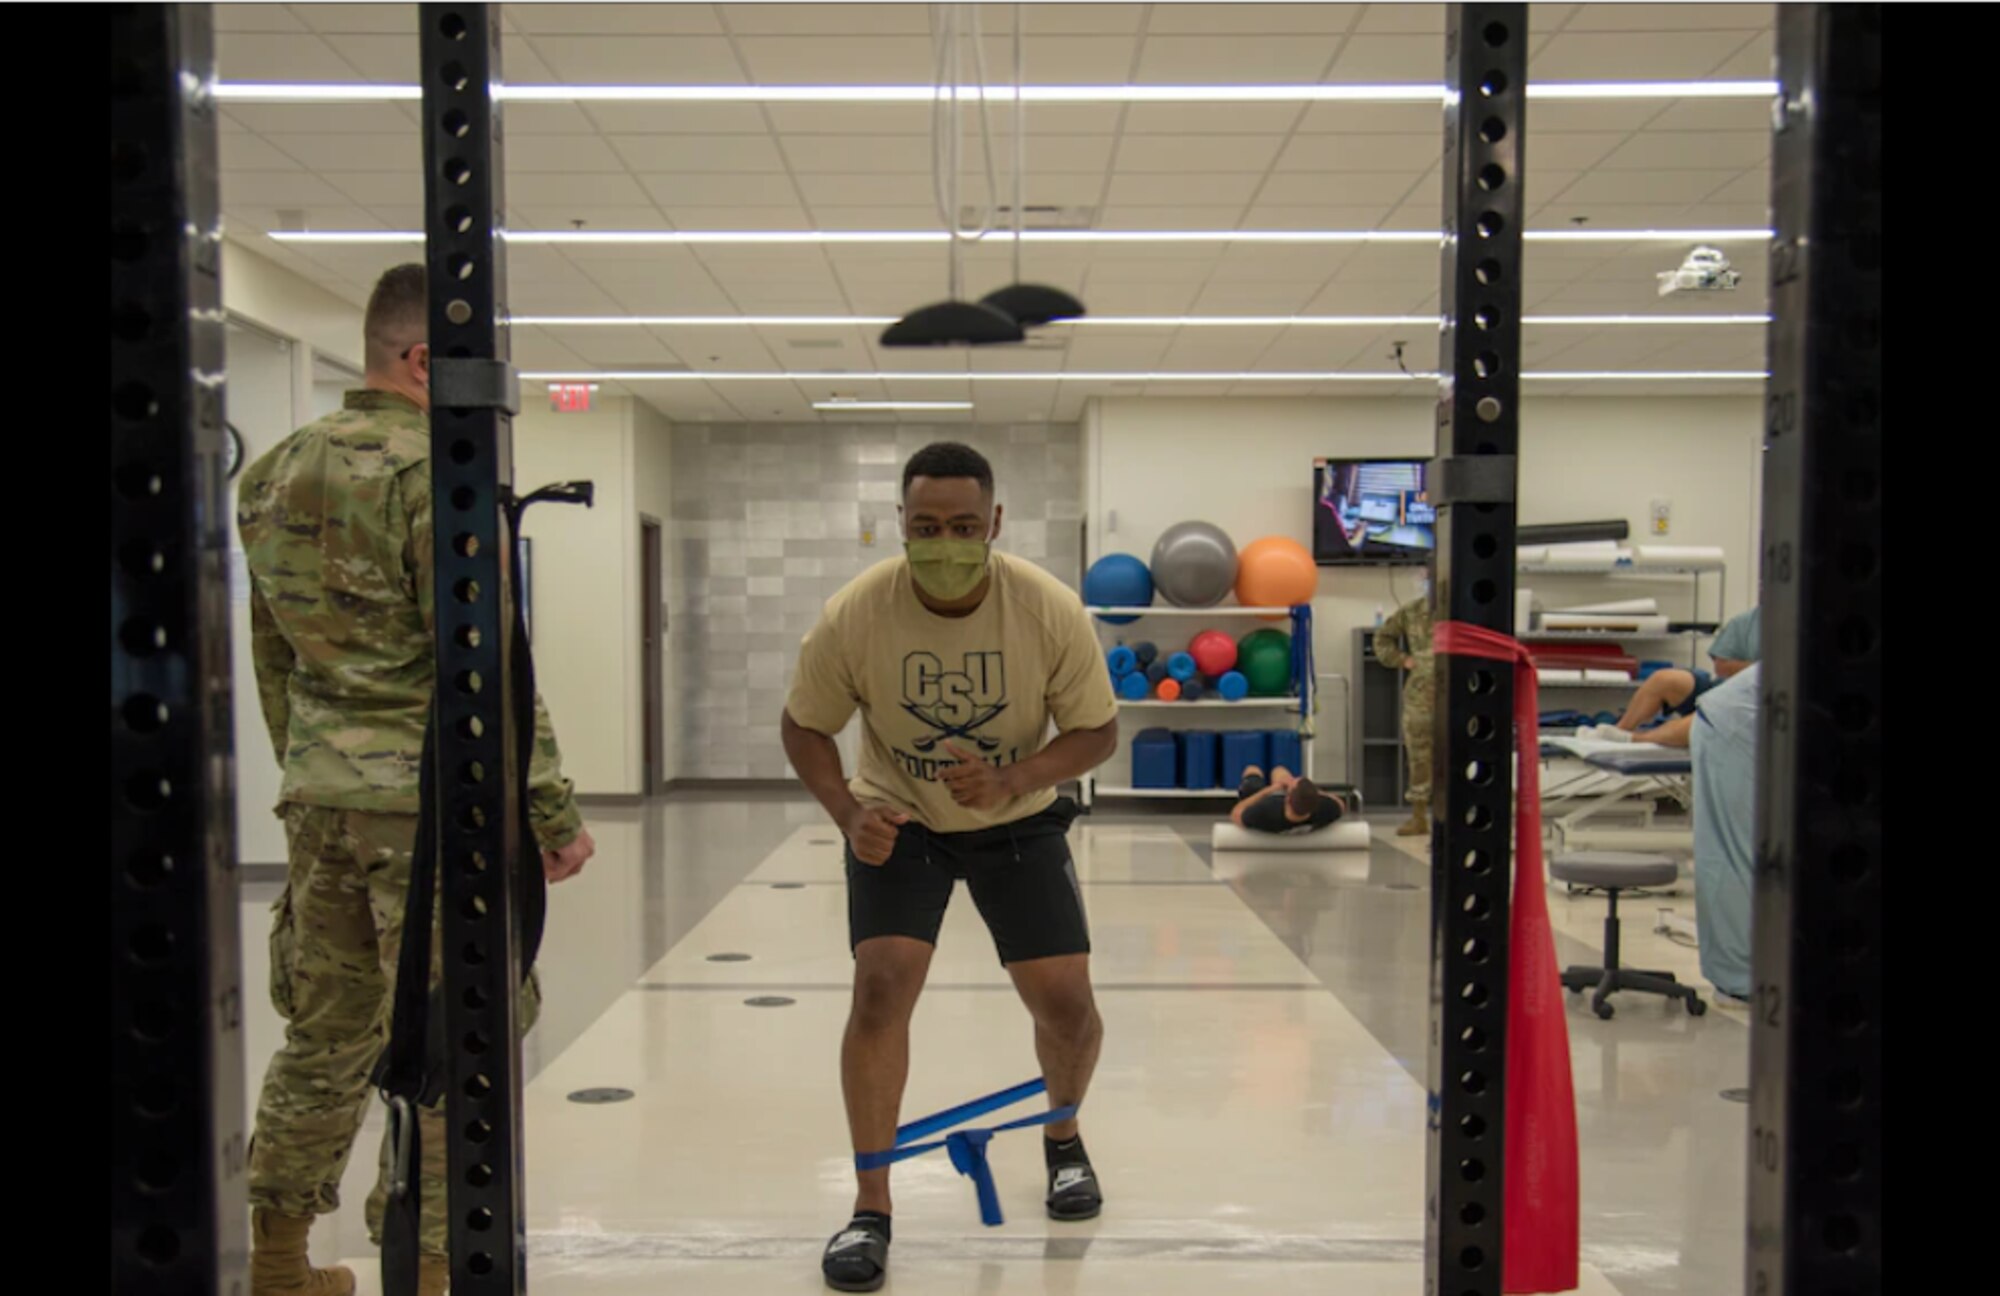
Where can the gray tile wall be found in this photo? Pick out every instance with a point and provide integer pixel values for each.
(767, 525)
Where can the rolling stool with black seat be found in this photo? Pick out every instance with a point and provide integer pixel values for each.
(1612, 872)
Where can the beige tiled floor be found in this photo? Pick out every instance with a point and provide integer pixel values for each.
(1252, 1133)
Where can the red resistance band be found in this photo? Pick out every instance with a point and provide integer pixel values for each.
(1539, 1247)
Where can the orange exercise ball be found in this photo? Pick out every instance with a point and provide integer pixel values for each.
(1275, 571)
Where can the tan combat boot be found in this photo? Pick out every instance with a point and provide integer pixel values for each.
(278, 1264)
(1419, 822)
(433, 1275)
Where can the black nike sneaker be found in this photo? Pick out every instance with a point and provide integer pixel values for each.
(1073, 1190)
(857, 1257)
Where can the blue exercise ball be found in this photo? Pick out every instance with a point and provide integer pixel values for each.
(1118, 580)
(1234, 686)
(1123, 660)
(1133, 688)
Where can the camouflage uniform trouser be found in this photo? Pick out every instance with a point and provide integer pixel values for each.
(1419, 697)
(335, 933)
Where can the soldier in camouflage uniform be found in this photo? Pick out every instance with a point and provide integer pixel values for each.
(336, 523)
(1404, 641)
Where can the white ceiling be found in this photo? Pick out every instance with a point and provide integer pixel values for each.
(1646, 164)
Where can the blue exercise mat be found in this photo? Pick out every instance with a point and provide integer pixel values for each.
(967, 1147)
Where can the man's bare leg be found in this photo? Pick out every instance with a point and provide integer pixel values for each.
(889, 974)
(1068, 1031)
(1660, 691)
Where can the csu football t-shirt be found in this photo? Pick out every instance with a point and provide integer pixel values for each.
(989, 682)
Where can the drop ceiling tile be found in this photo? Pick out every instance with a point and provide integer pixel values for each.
(1207, 60)
(1337, 188)
(257, 19)
(389, 59)
(1605, 56)
(310, 119)
(1376, 119)
(601, 189)
(771, 189)
(379, 18)
(1618, 187)
(1170, 119)
(851, 154)
(280, 189)
(1112, 355)
(1059, 60)
(403, 189)
(614, 19)
(562, 216)
(245, 151)
(1575, 151)
(840, 190)
(1671, 17)
(1755, 61)
(561, 154)
(547, 119)
(675, 118)
(1175, 216)
(828, 19)
(1412, 153)
(1092, 19)
(838, 60)
(1662, 150)
(1061, 154)
(640, 60)
(1175, 190)
(1208, 153)
(1423, 19)
(325, 152)
(262, 57)
(694, 215)
(1131, 298)
(1341, 216)
(1224, 296)
(673, 154)
(1346, 297)
(1751, 115)
(1394, 60)
(892, 219)
(1241, 18)
(1549, 117)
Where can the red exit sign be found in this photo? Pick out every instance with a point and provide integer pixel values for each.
(571, 398)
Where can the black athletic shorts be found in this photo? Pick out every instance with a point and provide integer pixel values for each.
(1703, 682)
(1020, 875)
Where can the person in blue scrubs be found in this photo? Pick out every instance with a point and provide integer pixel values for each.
(1735, 647)
(1721, 737)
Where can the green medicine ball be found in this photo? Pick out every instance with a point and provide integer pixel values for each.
(1265, 658)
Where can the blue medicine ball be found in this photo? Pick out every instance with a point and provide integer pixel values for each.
(1118, 580)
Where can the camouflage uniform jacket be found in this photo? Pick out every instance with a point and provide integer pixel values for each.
(336, 525)
(1407, 633)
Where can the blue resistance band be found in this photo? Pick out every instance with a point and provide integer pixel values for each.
(967, 1147)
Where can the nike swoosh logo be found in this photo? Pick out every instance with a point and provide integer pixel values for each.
(847, 1241)
(1069, 1177)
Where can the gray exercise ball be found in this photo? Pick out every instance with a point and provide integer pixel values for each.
(1194, 565)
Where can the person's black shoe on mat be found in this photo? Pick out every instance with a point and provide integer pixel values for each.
(857, 1257)
(1073, 1190)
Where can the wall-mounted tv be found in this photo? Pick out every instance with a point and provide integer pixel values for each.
(1372, 511)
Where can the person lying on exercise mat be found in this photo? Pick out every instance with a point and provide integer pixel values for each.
(1283, 803)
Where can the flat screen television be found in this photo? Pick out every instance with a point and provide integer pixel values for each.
(1372, 511)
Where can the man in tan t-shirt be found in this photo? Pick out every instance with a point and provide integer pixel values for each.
(959, 660)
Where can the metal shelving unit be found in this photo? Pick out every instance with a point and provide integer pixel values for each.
(1089, 788)
(1634, 571)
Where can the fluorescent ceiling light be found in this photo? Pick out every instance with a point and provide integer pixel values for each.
(848, 379)
(1102, 321)
(682, 237)
(891, 405)
(347, 92)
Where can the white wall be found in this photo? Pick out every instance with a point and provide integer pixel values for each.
(1246, 466)
(586, 590)
(265, 292)
(258, 402)
(653, 453)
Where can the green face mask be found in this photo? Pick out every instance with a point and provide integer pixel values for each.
(947, 570)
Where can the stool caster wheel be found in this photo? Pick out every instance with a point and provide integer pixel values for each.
(1696, 1007)
(1604, 1010)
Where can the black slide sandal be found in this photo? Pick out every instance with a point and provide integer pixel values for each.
(1073, 1192)
(857, 1257)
